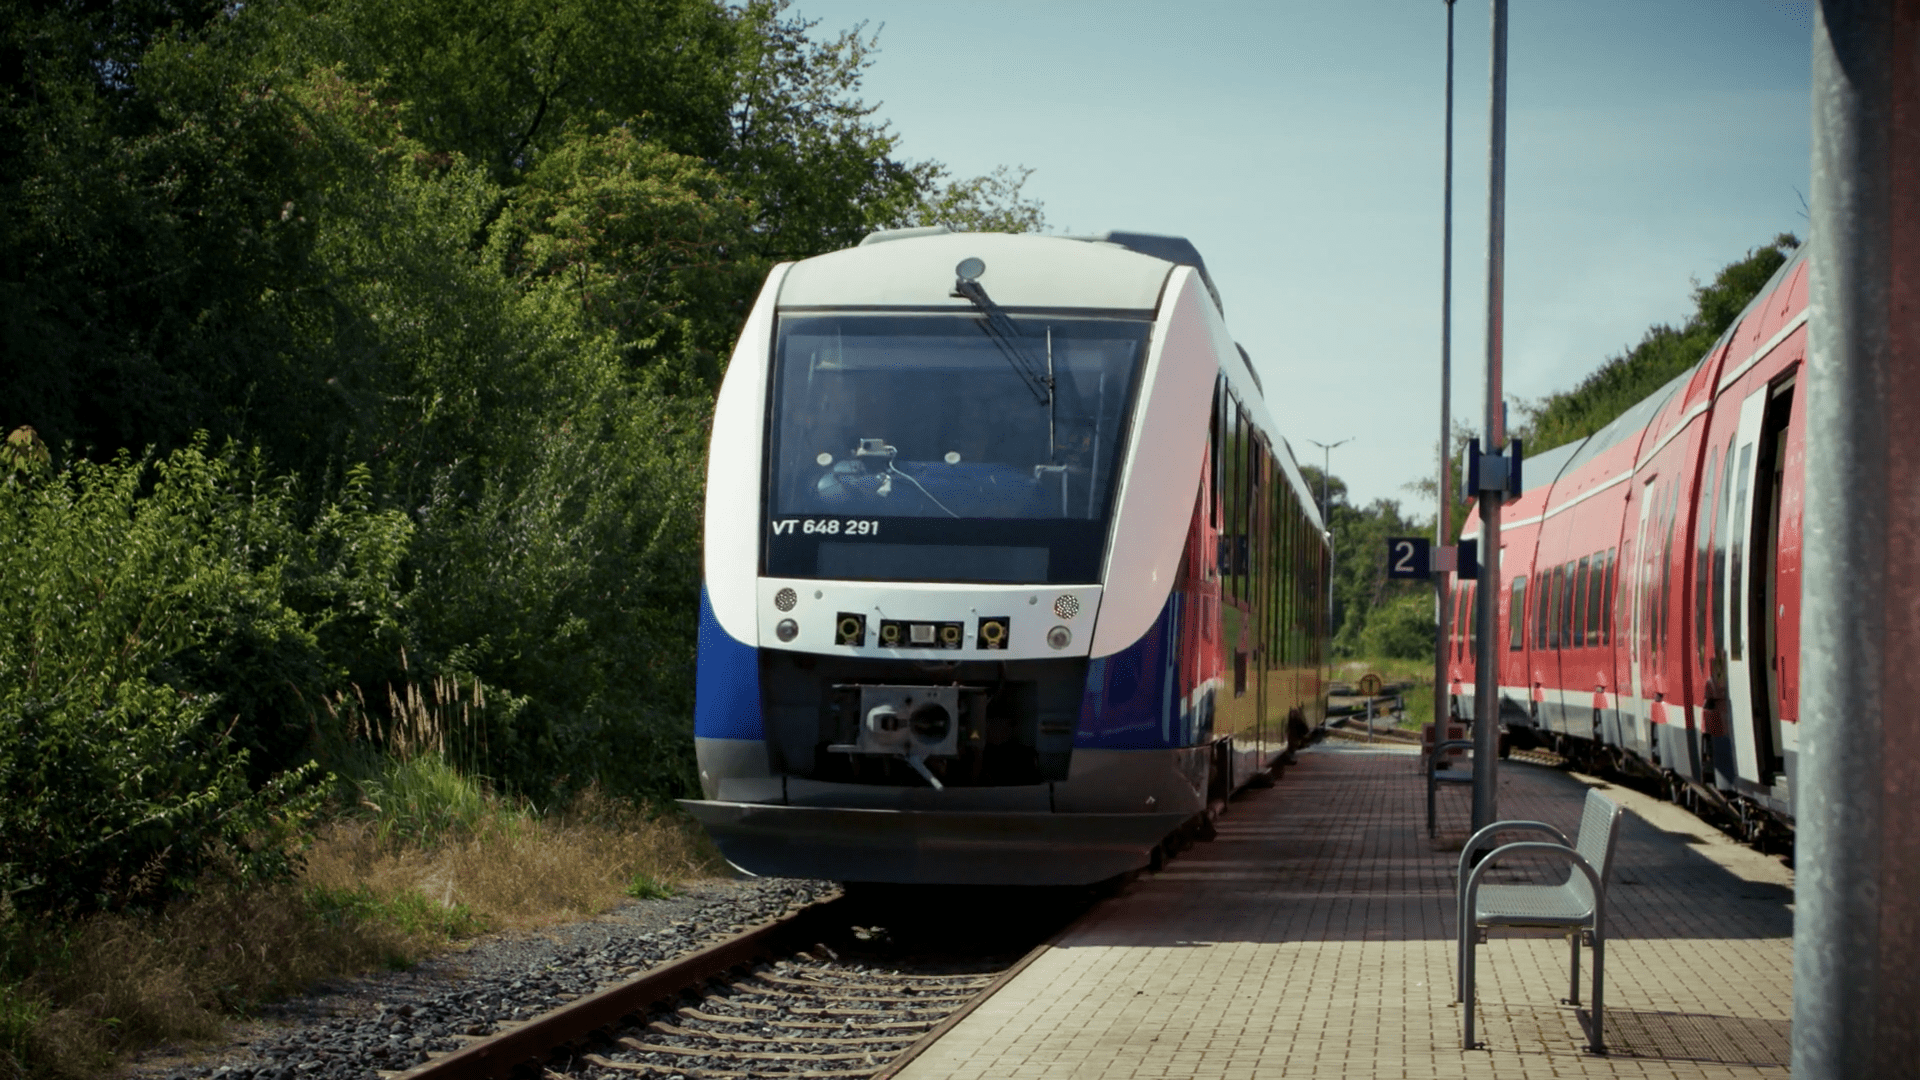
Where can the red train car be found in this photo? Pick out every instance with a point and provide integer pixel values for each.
(1649, 617)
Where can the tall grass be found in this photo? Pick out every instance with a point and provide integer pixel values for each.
(428, 856)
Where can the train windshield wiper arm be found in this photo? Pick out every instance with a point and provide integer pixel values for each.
(1007, 337)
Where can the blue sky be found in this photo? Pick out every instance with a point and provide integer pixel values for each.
(1300, 147)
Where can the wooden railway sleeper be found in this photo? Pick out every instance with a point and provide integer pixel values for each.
(691, 1051)
(598, 1061)
(929, 1000)
(665, 1028)
(784, 968)
(889, 982)
(715, 1018)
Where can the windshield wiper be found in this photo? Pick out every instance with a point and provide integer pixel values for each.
(1006, 336)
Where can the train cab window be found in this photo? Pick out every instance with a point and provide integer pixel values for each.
(1517, 616)
(919, 447)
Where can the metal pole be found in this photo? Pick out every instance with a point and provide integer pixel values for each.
(1326, 515)
(1486, 675)
(1856, 941)
(1443, 516)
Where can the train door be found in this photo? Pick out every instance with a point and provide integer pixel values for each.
(1752, 564)
(1640, 639)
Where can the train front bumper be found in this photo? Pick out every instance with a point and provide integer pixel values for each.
(929, 846)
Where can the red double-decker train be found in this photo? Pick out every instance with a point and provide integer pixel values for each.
(1650, 609)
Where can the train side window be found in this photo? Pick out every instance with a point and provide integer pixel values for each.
(1596, 597)
(1666, 567)
(1552, 598)
(1721, 526)
(1517, 616)
(1473, 620)
(1734, 634)
(1542, 591)
(1579, 606)
(1606, 606)
(1568, 594)
(1218, 445)
(1703, 556)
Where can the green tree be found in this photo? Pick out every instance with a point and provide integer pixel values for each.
(477, 267)
(1372, 614)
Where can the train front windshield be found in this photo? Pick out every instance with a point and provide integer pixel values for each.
(929, 448)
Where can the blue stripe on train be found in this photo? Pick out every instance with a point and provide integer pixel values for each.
(1134, 700)
(726, 685)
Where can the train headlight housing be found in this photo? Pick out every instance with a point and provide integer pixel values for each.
(993, 632)
(849, 629)
(931, 722)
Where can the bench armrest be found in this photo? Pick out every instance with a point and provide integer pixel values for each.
(1440, 749)
(1534, 847)
(1484, 838)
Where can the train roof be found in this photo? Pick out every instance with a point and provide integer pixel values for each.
(1022, 271)
(1547, 467)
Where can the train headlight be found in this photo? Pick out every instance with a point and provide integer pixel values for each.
(849, 629)
(993, 632)
(1059, 637)
(786, 630)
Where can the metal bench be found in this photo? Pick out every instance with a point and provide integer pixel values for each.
(1576, 906)
(1441, 769)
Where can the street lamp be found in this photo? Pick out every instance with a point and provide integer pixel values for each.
(1326, 514)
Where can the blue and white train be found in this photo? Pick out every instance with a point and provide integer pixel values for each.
(1009, 577)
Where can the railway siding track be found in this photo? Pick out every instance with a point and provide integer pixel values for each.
(770, 1001)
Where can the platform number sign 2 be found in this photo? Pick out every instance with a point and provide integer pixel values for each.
(1409, 557)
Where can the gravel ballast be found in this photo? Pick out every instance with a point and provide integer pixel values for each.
(351, 1029)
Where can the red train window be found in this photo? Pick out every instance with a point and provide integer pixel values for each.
(1578, 636)
(1606, 613)
(1517, 616)
(1596, 597)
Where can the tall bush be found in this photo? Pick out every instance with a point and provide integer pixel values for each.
(132, 592)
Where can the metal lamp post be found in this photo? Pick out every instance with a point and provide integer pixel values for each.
(1443, 511)
(1326, 513)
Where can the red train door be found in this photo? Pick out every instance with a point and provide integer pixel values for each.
(1640, 640)
(1754, 585)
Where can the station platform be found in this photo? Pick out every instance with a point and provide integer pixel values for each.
(1314, 938)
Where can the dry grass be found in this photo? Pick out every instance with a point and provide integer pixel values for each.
(519, 871)
(122, 981)
(115, 983)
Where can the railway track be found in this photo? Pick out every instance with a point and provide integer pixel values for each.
(825, 991)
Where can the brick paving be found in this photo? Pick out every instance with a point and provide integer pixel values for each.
(1314, 938)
